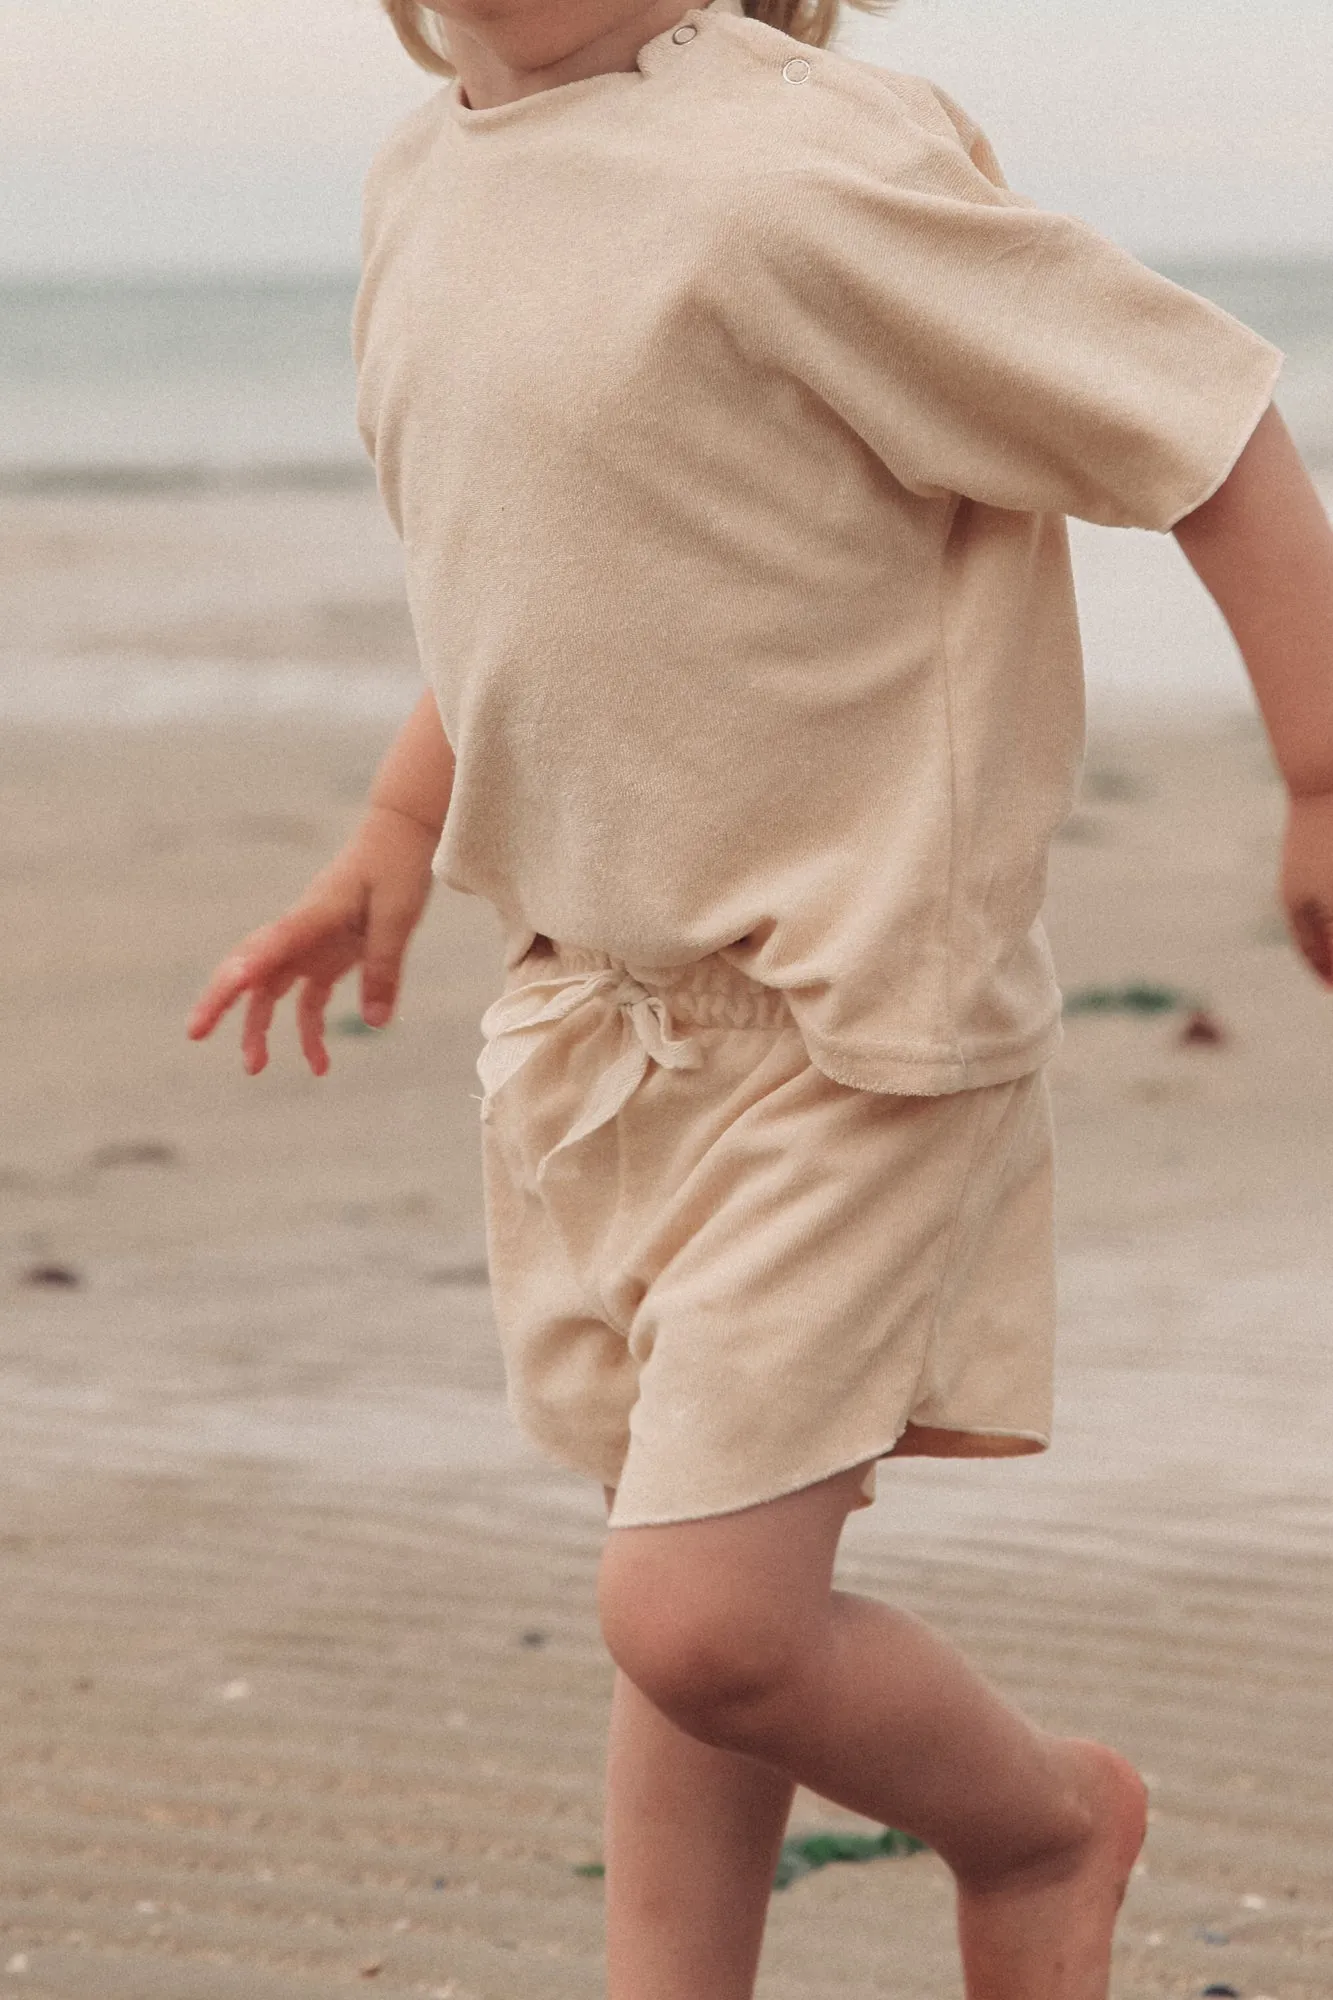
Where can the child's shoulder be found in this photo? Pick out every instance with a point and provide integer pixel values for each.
(857, 109)
(400, 154)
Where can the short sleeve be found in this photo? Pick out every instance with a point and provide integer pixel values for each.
(983, 346)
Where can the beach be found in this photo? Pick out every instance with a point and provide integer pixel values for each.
(300, 1682)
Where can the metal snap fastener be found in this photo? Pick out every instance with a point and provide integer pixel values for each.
(796, 69)
(685, 34)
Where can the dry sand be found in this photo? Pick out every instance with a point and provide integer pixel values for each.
(300, 1683)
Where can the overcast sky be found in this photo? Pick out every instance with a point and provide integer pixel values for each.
(235, 133)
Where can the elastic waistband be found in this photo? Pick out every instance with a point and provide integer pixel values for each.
(707, 993)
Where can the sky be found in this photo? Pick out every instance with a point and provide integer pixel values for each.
(235, 134)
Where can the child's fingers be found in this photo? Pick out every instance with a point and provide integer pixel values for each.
(223, 990)
(255, 962)
(310, 1024)
(1312, 923)
(387, 933)
(254, 1033)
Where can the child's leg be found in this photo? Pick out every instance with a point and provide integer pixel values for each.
(692, 1840)
(730, 1628)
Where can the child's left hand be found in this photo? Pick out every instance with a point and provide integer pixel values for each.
(1307, 879)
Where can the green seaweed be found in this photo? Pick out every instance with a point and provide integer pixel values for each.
(352, 1024)
(803, 1853)
(1139, 998)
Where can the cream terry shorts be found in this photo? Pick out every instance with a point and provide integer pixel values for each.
(718, 1276)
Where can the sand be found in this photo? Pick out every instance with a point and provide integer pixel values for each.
(300, 1683)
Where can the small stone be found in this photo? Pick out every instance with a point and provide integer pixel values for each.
(17, 1963)
(54, 1275)
(1254, 1902)
(235, 1691)
(532, 1638)
(1221, 1992)
(1212, 1937)
(1117, 786)
(476, 1273)
(1203, 1030)
(136, 1153)
(146, 1909)
(371, 1970)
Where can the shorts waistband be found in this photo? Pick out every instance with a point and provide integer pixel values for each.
(708, 992)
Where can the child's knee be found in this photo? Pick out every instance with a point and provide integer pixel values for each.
(691, 1644)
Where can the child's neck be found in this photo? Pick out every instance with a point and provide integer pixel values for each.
(547, 42)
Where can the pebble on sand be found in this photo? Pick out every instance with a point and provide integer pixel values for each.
(136, 1153)
(1203, 1030)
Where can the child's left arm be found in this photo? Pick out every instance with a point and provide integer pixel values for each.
(1263, 548)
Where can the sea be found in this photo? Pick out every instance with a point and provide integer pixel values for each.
(153, 383)
(176, 384)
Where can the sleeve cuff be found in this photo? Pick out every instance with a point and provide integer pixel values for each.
(1263, 380)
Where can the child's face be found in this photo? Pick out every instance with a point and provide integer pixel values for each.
(534, 33)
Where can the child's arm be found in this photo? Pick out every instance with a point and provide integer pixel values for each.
(361, 909)
(416, 775)
(1263, 548)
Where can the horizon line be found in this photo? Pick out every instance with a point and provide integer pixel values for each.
(296, 272)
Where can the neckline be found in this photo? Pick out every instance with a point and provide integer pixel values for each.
(469, 118)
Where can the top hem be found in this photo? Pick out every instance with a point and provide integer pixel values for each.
(912, 1076)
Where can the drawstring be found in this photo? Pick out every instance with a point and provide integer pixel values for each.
(513, 1027)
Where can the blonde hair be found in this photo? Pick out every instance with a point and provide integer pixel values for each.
(813, 21)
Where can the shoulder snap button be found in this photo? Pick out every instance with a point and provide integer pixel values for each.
(796, 69)
(685, 34)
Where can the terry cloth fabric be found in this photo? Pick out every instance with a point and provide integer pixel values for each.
(718, 1275)
(729, 409)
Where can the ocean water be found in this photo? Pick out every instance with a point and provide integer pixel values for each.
(228, 384)
(171, 382)
(161, 383)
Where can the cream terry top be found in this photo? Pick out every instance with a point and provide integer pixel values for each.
(729, 410)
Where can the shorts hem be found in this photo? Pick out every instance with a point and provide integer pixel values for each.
(846, 1463)
(1039, 1441)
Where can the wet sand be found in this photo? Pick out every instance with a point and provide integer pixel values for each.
(300, 1683)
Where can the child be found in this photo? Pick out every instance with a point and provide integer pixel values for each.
(729, 406)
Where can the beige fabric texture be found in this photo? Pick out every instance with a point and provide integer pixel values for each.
(729, 409)
(718, 1275)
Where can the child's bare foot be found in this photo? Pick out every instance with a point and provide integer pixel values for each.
(1044, 1933)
